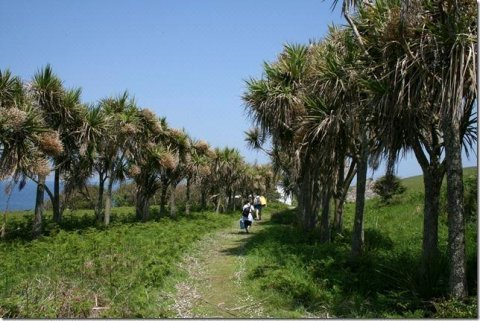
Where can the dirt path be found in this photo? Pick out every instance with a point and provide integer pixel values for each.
(216, 285)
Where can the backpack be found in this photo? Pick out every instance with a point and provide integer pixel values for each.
(246, 211)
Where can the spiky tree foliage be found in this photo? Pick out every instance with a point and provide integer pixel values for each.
(23, 138)
(21, 127)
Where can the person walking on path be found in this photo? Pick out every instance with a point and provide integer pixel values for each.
(247, 216)
(258, 207)
(263, 203)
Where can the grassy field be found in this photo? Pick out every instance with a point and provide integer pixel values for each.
(130, 269)
(296, 273)
(85, 271)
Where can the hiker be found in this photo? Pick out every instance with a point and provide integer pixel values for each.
(257, 206)
(247, 217)
(263, 203)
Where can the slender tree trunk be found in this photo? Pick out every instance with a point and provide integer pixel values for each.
(142, 206)
(234, 202)
(203, 200)
(99, 207)
(309, 200)
(433, 182)
(173, 206)
(163, 199)
(325, 218)
(358, 232)
(337, 220)
(57, 216)
(108, 201)
(455, 210)
(39, 207)
(187, 201)
(219, 202)
(342, 190)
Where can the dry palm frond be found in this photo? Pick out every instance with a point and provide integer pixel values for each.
(202, 146)
(148, 115)
(12, 118)
(204, 170)
(134, 171)
(50, 143)
(40, 167)
(168, 160)
(128, 129)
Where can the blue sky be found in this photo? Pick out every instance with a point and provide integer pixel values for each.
(184, 59)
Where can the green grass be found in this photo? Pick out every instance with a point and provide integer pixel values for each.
(129, 268)
(301, 277)
(125, 269)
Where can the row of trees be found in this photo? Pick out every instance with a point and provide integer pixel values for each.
(400, 77)
(45, 128)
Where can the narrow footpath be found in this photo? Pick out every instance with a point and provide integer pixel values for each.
(216, 286)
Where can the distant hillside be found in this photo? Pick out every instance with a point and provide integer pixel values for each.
(415, 183)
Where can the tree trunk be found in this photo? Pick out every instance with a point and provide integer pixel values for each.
(358, 232)
(173, 207)
(57, 215)
(163, 199)
(203, 201)
(455, 210)
(219, 202)
(108, 201)
(142, 206)
(325, 218)
(341, 195)
(433, 182)
(187, 200)
(99, 207)
(39, 207)
(309, 200)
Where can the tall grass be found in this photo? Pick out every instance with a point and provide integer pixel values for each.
(85, 271)
(300, 277)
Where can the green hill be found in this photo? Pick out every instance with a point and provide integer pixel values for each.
(415, 183)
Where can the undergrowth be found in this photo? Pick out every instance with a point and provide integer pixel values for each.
(301, 277)
(86, 271)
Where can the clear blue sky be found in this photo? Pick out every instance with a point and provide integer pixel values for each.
(184, 59)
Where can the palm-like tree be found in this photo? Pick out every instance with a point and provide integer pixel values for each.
(21, 132)
(277, 106)
(331, 127)
(47, 93)
(426, 94)
(183, 150)
(121, 113)
(197, 167)
(153, 160)
(225, 173)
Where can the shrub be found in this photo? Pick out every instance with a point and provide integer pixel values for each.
(388, 186)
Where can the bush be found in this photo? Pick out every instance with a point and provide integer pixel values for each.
(388, 186)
